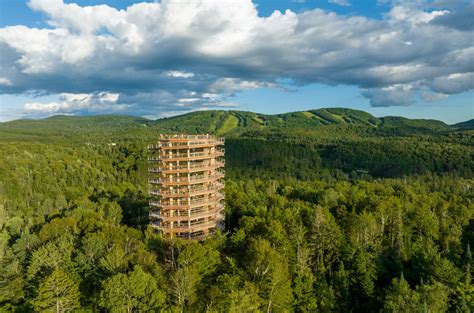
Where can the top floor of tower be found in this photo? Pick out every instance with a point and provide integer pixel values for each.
(182, 141)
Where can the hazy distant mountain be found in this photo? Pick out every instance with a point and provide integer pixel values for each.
(465, 125)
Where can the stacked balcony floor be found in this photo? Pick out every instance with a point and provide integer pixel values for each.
(186, 175)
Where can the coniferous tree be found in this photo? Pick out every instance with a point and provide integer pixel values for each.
(57, 293)
(401, 298)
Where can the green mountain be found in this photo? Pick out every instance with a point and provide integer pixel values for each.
(72, 128)
(330, 122)
(238, 122)
(465, 125)
(397, 121)
(67, 122)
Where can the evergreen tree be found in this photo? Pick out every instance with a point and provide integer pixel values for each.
(433, 297)
(57, 293)
(401, 298)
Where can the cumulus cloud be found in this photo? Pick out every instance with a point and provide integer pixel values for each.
(343, 3)
(462, 20)
(170, 56)
(398, 94)
(138, 104)
(453, 83)
(5, 81)
(99, 102)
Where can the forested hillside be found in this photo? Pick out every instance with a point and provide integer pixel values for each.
(222, 123)
(328, 210)
(330, 139)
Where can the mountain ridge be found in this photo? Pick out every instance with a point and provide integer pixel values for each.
(226, 123)
(469, 124)
(312, 111)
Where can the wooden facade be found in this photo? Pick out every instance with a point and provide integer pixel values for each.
(186, 179)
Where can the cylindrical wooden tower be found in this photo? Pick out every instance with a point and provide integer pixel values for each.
(186, 184)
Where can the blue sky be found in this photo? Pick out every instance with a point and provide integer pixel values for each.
(156, 59)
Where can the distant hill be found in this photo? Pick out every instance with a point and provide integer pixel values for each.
(237, 122)
(71, 128)
(328, 121)
(465, 125)
(224, 122)
(396, 121)
(298, 144)
(77, 122)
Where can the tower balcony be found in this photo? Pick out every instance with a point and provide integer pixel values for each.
(166, 204)
(198, 226)
(192, 156)
(175, 181)
(185, 138)
(187, 168)
(186, 144)
(187, 192)
(166, 216)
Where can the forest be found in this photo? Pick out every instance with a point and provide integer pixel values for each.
(329, 210)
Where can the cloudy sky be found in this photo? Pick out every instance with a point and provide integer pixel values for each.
(162, 58)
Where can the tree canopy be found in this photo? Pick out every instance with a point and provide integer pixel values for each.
(365, 215)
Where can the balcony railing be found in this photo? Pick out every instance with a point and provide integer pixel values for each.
(187, 168)
(192, 202)
(181, 217)
(192, 155)
(186, 137)
(193, 227)
(186, 180)
(186, 144)
(165, 204)
(188, 191)
(185, 140)
(186, 212)
(199, 237)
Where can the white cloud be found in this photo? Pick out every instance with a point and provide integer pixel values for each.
(185, 100)
(433, 96)
(225, 104)
(5, 81)
(228, 84)
(343, 3)
(154, 54)
(179, 74)
(453, 83)
(388, 96)
(100, 102)
(407, 14)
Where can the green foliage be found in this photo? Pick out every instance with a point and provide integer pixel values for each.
(57, 293)
(269, 271)
(433, 297)
(306, 145)
(328, 210)
(193, 263)
(401, 298)
(136, 291)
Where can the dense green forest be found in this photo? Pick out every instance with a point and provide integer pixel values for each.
(330, 210)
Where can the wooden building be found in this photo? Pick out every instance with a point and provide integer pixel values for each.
(186, 179)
